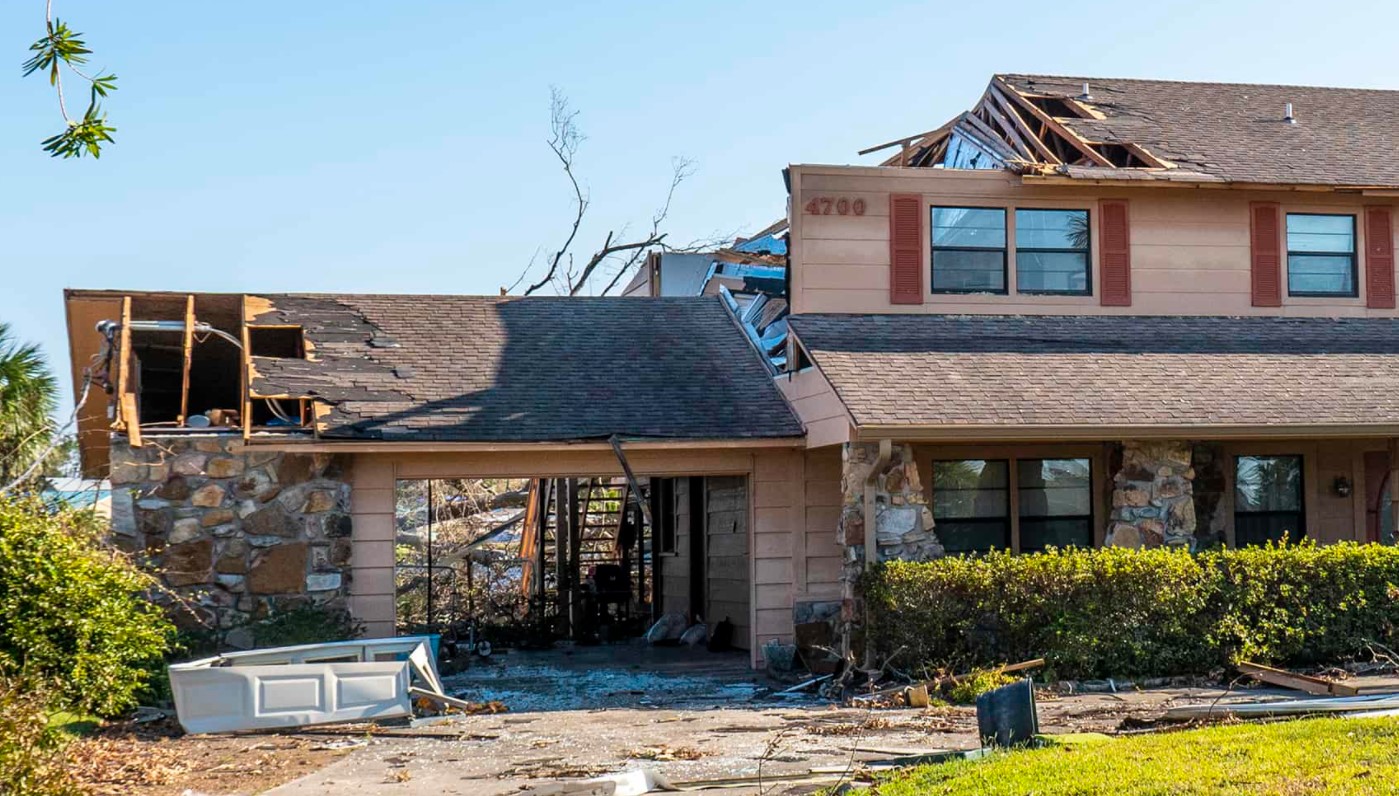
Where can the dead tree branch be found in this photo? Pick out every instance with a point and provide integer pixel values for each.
(618, 250)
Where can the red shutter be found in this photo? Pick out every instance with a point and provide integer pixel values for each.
(1265, 235)
(1115, 237)
(905, 248)
(1379, 258)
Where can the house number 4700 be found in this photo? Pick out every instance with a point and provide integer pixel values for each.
(840, 205)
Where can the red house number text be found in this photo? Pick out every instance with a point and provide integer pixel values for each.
(840, 205)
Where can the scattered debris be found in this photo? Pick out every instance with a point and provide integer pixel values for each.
(335, 682)
(665, 752)
(1301, 682)
(1358, 706)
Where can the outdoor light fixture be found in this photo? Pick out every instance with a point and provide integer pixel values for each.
(1341, 486)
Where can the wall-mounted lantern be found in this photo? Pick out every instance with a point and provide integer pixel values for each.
(1341, 486)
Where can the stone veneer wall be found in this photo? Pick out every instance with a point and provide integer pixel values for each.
(903, 520)
(240, 533)
(1152, 500)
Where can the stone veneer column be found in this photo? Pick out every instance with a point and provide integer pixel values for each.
(903, 521)
(238, 533)
(1152, 501)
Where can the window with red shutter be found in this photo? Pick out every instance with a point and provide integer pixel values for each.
(905, 248)
(1265, 238)
(1379, 258)
(1115, 239)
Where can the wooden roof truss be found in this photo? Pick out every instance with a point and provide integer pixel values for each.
(1022, 131)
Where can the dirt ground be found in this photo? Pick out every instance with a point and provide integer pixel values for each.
(688, 716)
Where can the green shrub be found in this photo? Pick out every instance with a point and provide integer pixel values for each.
(975, 683)
(73, 611)
(1137, 613)
(31, 747)
(307, 624)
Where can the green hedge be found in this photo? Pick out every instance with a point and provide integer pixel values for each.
(74, 612)
(1114, 612)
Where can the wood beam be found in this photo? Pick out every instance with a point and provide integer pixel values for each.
(1050, 122)
(1019, 121)
(1010, 132)
(188, 357)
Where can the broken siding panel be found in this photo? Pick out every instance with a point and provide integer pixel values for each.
(817, 406)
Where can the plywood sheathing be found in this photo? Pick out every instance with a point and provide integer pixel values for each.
(84, 344)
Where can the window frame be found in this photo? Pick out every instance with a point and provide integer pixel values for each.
(1087, 252)
(1008, 519)
(1013, 458)
(1233, 485)
(1354, 256)
(1004, 249)
(1020, 517)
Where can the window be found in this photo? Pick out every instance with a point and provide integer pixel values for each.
(1056, 503)
(1268, 499)
(1051, 252)
(971, 505)
(1320, 255)
(969, 250)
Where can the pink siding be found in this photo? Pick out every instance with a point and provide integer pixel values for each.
(1189, 250)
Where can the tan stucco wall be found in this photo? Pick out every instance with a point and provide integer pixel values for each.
(777, 514)
(1190, 246)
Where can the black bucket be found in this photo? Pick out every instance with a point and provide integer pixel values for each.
(1006, 716)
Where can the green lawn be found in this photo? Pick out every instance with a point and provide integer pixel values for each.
(1341, 756)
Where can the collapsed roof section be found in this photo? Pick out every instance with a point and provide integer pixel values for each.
(750, 275)
(409, 368)
(1109, 129)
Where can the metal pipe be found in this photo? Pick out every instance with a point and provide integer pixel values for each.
(111, 327)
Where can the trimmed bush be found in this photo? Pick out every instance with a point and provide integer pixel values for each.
(74, 612)
(1114, 612)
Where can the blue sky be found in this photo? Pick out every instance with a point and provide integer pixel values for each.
(390, 147)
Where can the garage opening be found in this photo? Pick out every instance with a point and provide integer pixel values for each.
(530, 562)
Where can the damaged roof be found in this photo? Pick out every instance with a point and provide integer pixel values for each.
(1107, 371)
(484, 368)
(1174, 131)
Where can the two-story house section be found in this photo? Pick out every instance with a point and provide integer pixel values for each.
(1096, 311)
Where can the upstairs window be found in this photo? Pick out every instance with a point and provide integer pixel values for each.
(1268, 500)
(1321, 255)
(969, 250)
(1051, 252)
(971, 505)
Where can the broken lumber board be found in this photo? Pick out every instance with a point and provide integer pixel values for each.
(1301, 682)
(950, 679)
(1368, 704)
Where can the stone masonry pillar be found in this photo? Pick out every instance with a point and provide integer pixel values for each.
(1152, 501)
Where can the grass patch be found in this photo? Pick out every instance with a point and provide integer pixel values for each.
(1311, 756)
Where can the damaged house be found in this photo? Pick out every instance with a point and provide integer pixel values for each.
(1085, 312)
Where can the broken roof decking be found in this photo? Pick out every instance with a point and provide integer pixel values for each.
(538, 369)
(1198, 132)
(996, 376)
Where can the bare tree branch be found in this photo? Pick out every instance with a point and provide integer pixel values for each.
(564, 139)
(619, 250)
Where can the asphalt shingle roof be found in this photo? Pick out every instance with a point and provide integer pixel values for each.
(996, 370)
(1236, 133)
(485, 368)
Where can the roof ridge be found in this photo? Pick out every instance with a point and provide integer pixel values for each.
(1177, 81)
